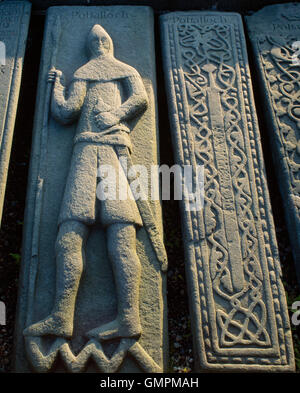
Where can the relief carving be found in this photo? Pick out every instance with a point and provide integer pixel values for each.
(104, 95)
(283, 78)
(232, 239)
(230, 246)
(14, 22)
(275, 54)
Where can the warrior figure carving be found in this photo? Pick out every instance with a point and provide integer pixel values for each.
(103, 95)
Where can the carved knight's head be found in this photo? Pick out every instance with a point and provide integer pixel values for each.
(99, 42)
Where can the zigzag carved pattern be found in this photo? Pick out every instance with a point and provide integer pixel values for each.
(43, 361)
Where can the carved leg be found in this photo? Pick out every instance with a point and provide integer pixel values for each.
(69, 265)
(121, 240)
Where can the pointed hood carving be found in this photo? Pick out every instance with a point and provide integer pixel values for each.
(102, 67)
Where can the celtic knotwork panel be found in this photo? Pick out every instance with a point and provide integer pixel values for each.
(274, 33)
(283, 79)
(211, 84)
(239, 315)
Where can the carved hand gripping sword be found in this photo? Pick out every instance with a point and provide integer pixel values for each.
(55, 37)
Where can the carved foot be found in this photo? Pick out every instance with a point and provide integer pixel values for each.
(115, 329)
(54, 325)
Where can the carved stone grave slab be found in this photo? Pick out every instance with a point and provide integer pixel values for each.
(93, 293)
(14, 22)
(237, 301)
(275, 36)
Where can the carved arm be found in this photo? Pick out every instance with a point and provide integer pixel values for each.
(136, 103)
(66, 107)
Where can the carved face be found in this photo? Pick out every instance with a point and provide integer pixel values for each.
(99, 42)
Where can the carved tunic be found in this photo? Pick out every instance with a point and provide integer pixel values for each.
(94, 146)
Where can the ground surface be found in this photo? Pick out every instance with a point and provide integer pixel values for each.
(180, 338)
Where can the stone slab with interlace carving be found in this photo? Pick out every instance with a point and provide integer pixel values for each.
(237, 301)
(275, 36)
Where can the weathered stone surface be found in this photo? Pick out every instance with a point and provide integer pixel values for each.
(111, 317)
(237, 301)
(273, 31)
(14, 21)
